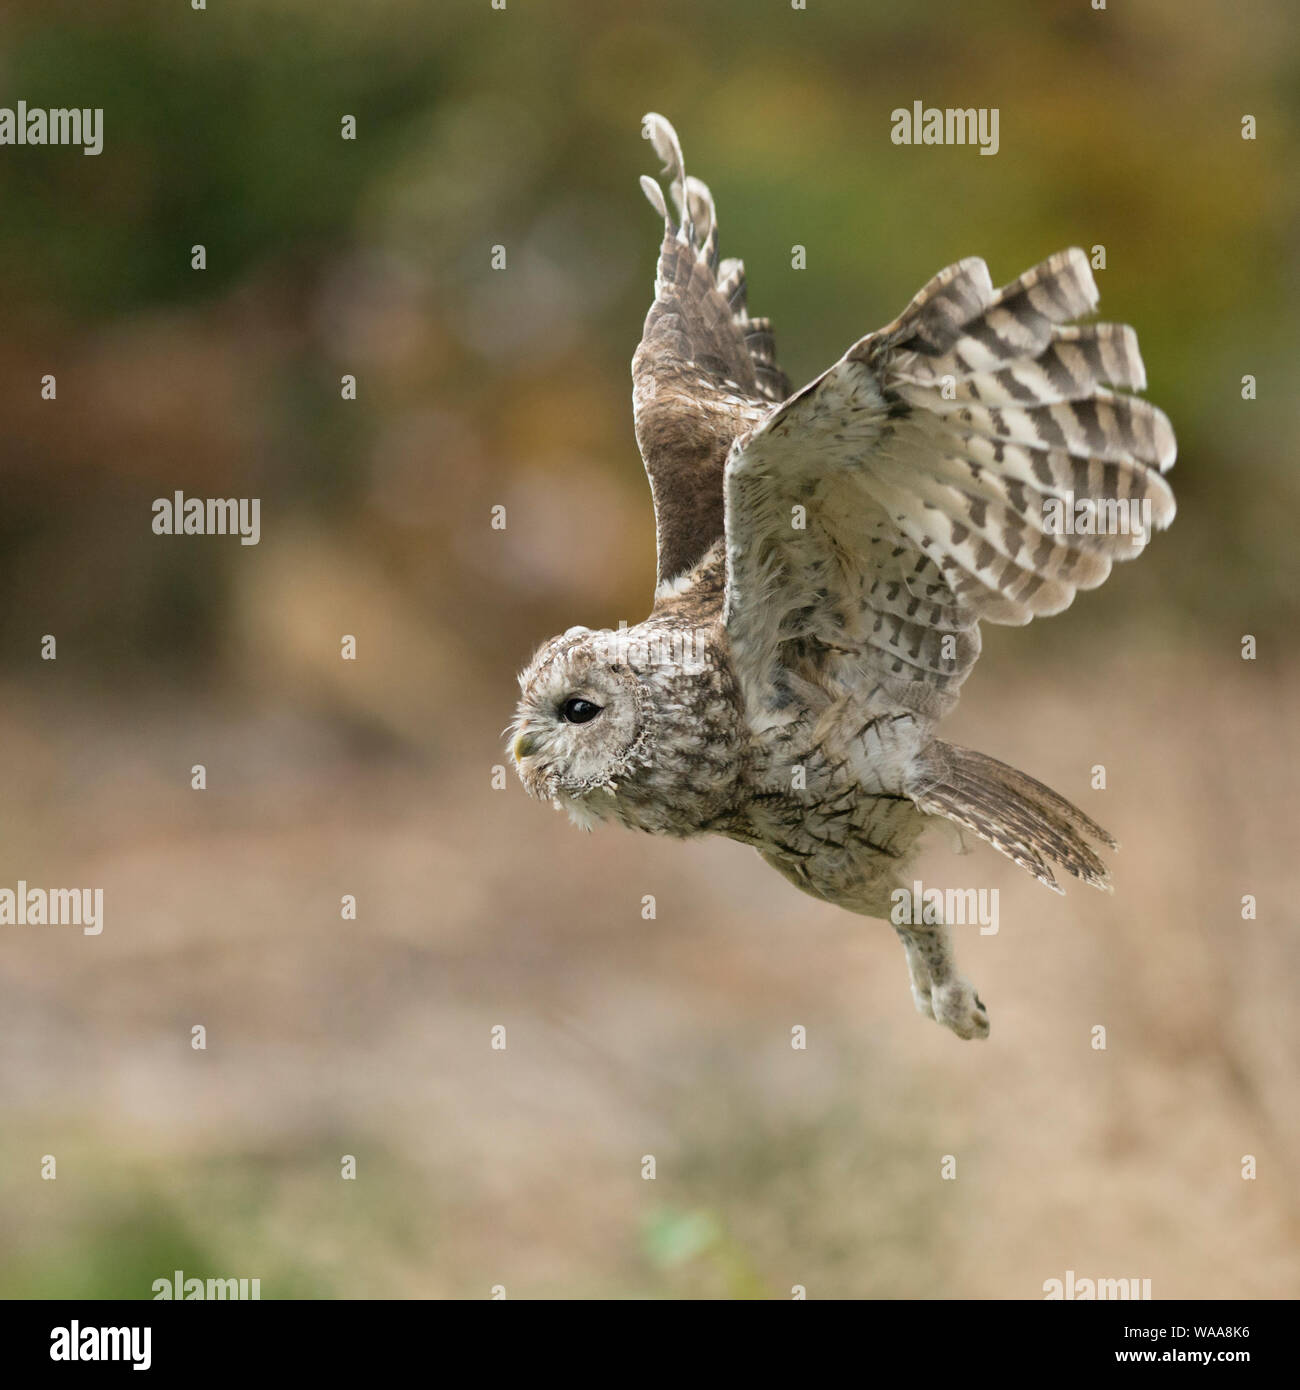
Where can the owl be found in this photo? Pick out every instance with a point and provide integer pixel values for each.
(825, 559)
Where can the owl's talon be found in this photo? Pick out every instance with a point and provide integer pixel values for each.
(960, 1009)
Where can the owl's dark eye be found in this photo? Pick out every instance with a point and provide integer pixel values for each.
(577, 711)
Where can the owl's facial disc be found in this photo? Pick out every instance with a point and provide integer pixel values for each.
(581, 725)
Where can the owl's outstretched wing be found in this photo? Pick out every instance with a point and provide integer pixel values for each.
(943, 471)
(704, 372)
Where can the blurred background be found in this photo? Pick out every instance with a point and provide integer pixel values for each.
(479, 388)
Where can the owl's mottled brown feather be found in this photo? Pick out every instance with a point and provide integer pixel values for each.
(704, 371)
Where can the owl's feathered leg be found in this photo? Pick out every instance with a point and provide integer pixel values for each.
(939, 991)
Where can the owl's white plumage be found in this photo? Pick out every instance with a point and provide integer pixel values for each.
(830, 554)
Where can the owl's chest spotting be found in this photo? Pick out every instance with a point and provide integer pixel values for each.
(834, 785)
(833, 794)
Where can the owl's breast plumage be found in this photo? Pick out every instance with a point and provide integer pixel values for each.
(826, 802)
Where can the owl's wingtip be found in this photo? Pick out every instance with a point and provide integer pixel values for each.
(660, 132)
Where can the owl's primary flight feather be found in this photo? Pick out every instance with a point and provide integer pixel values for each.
(831, 553)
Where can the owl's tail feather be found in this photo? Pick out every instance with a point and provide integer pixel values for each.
(1016, 814)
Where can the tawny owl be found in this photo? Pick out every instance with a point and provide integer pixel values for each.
(825, 559)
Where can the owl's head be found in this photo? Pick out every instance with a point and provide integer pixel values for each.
(583, 723)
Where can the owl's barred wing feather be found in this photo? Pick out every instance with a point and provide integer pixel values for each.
(704, 372)
(933, 477)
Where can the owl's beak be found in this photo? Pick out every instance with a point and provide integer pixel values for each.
(524, 745)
